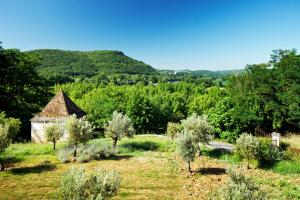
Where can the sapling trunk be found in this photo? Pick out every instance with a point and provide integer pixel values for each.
(115, 140)
(2, 165)
(54, 144)
(189, 167)
(75, 151)
(248, 164)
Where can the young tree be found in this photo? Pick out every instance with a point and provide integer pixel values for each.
(53, 133)
(186, 149)
(173, 129)
(247, 147)
(79, 131)
(198, 128)
(118, 127)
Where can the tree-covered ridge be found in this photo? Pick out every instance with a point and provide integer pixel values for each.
(201, 73)
(88, 63)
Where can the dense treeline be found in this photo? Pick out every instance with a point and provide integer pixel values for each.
(261, 98)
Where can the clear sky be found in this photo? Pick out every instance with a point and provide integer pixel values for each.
(167, 34)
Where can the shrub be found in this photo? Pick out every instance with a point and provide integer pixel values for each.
(9, 128)
(64, 154)
(247, 147)
(173, 129)
(186, 149)
(239, 187)
(76, 184)
(229, 136)
(268, 154)
(90, 152)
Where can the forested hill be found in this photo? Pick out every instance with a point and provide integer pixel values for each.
(88, 63)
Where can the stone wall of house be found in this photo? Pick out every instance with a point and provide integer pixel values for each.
(38, 134)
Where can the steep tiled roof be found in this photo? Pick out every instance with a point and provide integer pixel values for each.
(59, 106)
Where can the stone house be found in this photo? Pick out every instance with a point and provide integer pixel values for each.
(58, 109)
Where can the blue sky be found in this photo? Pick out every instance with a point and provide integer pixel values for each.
(186, 34)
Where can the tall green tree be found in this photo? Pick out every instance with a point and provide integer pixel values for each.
(22, 90)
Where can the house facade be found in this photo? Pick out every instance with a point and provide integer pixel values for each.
(58, 110)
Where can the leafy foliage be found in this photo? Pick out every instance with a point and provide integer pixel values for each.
(76, 184)
(198, 128)
(22, 90)
(53, 133)
(173, 130)
(90, 152)
(120, 126)
(12, 124)
(55, 63)
(186, 148)
(240, 187)
(64, 154)
(268, 154)
(247, 147)
(79, 131)
(9, 128)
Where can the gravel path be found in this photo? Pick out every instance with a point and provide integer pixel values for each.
(221, 145)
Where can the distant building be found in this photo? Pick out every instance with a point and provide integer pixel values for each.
(58, 109)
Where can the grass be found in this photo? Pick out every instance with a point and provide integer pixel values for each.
(149, 168)
(293, 140)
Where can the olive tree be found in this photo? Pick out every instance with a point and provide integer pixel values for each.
(173, 129)
(79, 131)
(247, 147)
(53, 133)
(198, 128)
(119, 126)
(186, 149)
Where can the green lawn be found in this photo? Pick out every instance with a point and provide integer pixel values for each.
(149, 168)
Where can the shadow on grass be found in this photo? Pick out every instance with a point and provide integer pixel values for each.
(34, 169)
(211, 171)
(118, 157)
(215, 153)
(11, 161)
(140, 146)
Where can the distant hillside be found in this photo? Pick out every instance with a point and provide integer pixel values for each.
(203, 73)
(88, 63)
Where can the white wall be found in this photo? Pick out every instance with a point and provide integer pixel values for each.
(38, 132)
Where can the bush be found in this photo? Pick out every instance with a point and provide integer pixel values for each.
(76, 184)
(229, 136)
(186, 149)
(65, 154)
(268, 154)
(239, 187)
(90, 152)
(246, 147)
(173, 129)
(86, 153)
